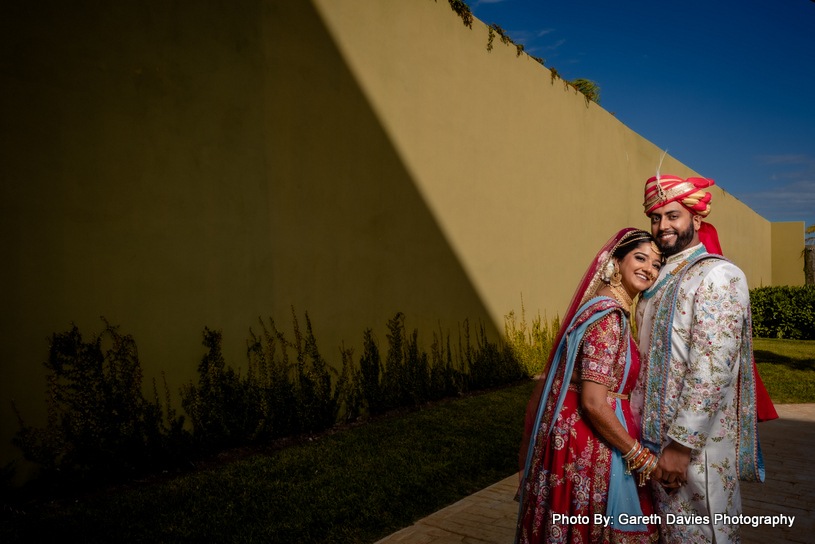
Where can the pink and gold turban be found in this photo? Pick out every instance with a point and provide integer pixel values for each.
(688, 192)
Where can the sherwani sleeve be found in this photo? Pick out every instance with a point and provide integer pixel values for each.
(713, 340)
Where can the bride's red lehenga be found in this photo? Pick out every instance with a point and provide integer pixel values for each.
(572, 476)
(569, 470)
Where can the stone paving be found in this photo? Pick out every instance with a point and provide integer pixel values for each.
(788, 444)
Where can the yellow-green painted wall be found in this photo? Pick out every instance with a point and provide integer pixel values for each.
(179, 165)
(788, 240)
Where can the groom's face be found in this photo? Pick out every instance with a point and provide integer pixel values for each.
(674, 228)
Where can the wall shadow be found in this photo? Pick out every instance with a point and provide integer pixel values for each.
(351, 237)
(175, 168)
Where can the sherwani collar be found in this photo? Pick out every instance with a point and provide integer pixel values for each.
(682, 255)
(674, 266)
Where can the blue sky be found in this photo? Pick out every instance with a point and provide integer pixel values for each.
(728, 88)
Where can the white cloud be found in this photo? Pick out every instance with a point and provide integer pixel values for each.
(789, 166)
(545, 32)
(555, 46)
(791, 202)
(786, 159)
(520, 36)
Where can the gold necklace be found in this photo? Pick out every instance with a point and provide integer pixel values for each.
(621, 295)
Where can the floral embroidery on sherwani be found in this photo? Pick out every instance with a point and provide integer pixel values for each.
(709, 322)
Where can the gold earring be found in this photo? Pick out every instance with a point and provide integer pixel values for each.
(616, 277)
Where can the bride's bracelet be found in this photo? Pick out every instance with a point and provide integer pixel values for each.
(646, 469)
(632, 450)
(641, 460)
(635, 457)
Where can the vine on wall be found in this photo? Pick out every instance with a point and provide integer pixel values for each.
(463, 11)
(589, 89)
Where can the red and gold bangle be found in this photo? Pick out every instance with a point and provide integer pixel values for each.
(631, 455)
(646, 469)
(639, 461)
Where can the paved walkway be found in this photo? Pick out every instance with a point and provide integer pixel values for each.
(788, 444)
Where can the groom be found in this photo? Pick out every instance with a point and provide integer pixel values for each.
(696, 388)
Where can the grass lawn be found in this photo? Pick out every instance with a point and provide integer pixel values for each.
(787, 368)
(356, 486)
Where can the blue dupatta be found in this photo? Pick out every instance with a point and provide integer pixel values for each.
(622, 489)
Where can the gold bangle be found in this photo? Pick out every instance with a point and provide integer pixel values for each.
(644, 460)
(640, 459)
(631, 455)
(634, 447)
(646, 469)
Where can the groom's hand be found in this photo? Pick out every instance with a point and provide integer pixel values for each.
(674, 463)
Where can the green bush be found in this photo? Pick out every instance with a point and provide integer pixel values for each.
(223, 406)
(490, 364)
(531, 345)
(396, 374)
(410, 377)
(98, 417)
(446, 380)
(784, 312)
(276, 397)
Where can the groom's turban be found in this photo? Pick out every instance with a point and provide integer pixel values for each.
(688, 192)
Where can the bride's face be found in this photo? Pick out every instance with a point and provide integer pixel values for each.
(639, 268)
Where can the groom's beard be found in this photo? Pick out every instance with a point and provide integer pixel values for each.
(683, 240)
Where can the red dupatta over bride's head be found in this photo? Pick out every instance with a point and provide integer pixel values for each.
(586, 290)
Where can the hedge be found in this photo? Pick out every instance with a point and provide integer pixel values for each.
(784, 312)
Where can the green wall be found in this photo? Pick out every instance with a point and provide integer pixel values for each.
(175, 165)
